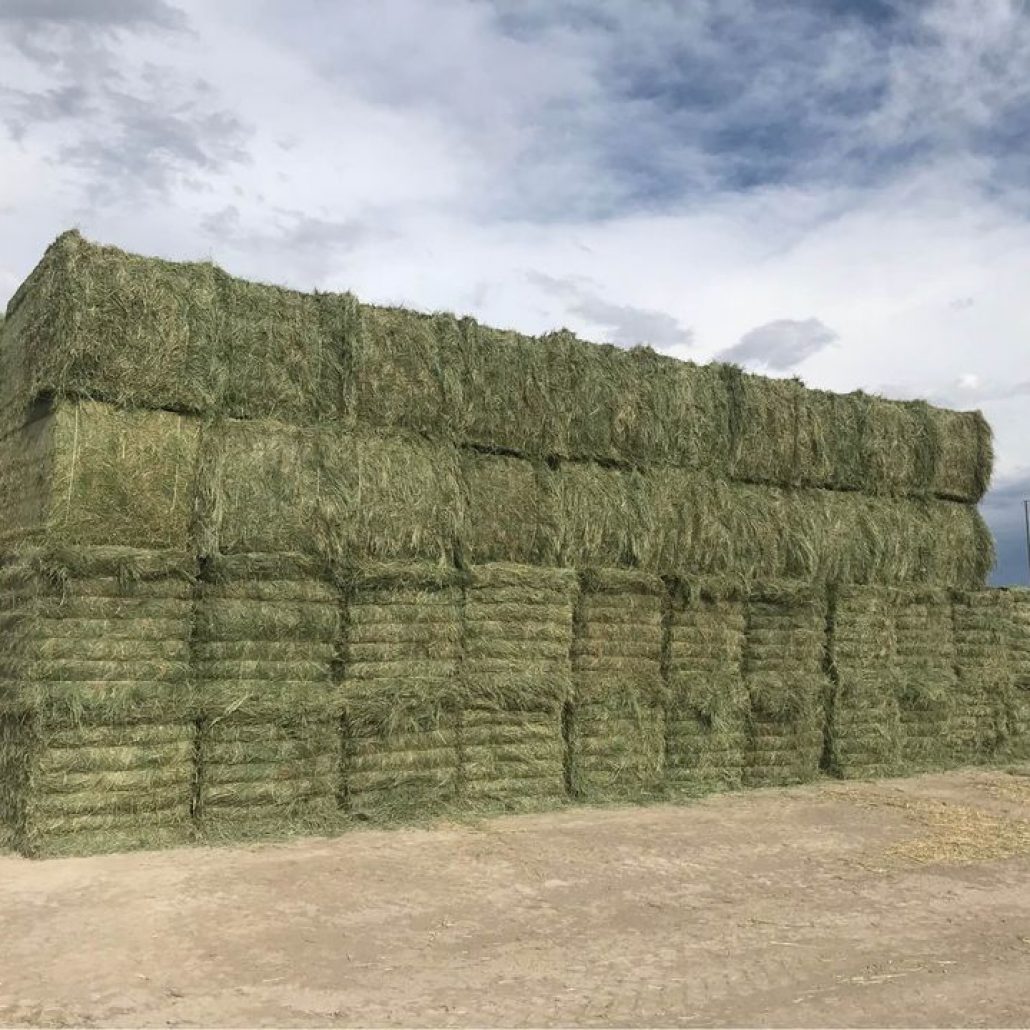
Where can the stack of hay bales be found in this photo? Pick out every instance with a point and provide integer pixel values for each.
(265, 636)
(707, 700)
(983, 630)
(97, 725)
(516, 679)
(400, 665)
(616, 720)
(784, 639)
(387, 516)
(924, 633)
(864, 731)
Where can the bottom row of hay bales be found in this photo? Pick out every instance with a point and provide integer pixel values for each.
(144, 704)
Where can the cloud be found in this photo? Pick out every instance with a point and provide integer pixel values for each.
(622, 324)
(780, 345)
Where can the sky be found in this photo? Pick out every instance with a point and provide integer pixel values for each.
(833, 189)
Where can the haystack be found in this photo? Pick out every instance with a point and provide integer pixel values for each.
(399, 690)
(616, 720)
(1019, 656)
(924, 634)
(983, 631)
(515, 681)
(82, 326)
(864, 726)
(708, 710)
(266, 631)
(784, 641)
(97, 728)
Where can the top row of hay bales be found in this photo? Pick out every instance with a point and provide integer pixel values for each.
(95, 322)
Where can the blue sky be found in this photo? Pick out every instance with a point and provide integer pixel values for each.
(834, 189)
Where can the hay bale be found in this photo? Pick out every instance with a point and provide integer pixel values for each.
(89, 474)
(616, 721)
(965, 455)
(266, 629)
(515, 680)
(346, 497)
(763, 427)
(830, 429)
(786, 683)
(983, 631)
(1019, 717)
(85, 322)
(97, 734)
(509, 510)
(706, 722)
(864, 729)
(399, 689)
(927, 687)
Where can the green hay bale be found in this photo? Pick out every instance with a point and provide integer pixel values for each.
(927, 687)
(400, 666)
(864, 727)
(901, 447)
(983, 631)
(89, 474)
(86, 321)
(785, 681)
(510, 510)
(965, 455)
(515, 680)
(85, 324)
(706, 717)
(616, 721)
(324, 491)
(401, 750)
(763, 426)
(830, 428)
(91, 788)
(265, 645)
(96, 727)
(1018, 744)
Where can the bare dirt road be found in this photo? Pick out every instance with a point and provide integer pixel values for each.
(903, 903)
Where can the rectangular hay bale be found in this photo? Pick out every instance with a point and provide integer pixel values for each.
(616, 726)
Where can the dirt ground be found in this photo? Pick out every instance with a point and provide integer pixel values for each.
(899, 903)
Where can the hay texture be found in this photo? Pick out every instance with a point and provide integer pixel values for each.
(786, 683)
(1019, 719)
(88, 474)
(864, 730)
(924, 633)
(266, 629)
(84, 323)
(515, 680)
(97, 734)
(616, 721)
(399, 689)
(983, 628)
(707, 713)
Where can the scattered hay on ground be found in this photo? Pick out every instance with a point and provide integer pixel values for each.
(616, 720)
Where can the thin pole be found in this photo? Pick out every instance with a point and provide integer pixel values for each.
(1026, 516)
